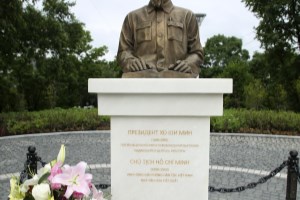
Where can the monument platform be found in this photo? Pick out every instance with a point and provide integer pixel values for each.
(160, 134)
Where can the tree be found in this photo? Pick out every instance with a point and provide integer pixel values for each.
(44, 53)
(277, 97)
(297, 86)
(239, 72)
(260, 67)
(255, 94)
(279, 33)
(10, 20)
(221, 50)
(279, 24)
(278, 70)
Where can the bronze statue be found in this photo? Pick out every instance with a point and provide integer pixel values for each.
(160, 40)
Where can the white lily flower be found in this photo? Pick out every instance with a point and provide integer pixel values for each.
(41, 191)
(35, 179)
(47, 167)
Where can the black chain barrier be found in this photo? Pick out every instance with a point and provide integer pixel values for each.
(253, 184)
(30, 168)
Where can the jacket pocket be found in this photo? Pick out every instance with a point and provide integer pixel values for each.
(175, 31)
(143, 31)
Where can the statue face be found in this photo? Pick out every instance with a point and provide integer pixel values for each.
(156, 3)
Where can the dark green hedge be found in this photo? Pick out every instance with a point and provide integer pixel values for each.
(237, 121)
(52, 121)
(253, 121)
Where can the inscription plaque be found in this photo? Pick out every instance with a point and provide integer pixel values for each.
(165, 157)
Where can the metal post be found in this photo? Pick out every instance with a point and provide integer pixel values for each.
(31, 167)
(291, 187)
(200, 17)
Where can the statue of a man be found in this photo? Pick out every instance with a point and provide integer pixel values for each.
(160, 40)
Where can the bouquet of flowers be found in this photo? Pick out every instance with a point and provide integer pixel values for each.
(56, 181)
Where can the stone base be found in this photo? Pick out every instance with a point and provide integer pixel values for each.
(160, 133)
(156, 158)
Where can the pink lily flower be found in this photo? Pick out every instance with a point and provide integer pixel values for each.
(77, 195)
(75, 179)
(56, 169)
(96, 195)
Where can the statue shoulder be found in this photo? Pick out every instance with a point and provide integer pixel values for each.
(183, 10)
(139, 11)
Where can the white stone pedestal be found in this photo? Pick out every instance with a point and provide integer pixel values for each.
(160, 132)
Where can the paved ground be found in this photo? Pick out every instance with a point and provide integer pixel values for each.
(235, 159)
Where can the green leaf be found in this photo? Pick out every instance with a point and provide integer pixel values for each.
(44, 177)
(29, 197)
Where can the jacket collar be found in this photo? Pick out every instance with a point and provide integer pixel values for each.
(167, 6)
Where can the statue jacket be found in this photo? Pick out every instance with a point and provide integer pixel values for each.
(160, 37)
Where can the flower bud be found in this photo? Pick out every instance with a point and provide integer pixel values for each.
(62, 154)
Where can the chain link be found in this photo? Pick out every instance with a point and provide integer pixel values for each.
(39, 159)
(253, 184)
(102, 186)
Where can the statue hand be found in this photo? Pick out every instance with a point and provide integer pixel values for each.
(181, 66)
(138, 64)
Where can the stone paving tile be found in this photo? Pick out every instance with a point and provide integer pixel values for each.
(248, 153)
(93, 148)
(264, 153)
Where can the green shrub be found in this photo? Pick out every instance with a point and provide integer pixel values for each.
(229, 122)
(253, 121)
(233, 120)
(52, 121)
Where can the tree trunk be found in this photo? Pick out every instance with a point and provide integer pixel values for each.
(299, 42)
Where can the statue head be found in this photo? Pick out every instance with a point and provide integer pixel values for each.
(156, 3)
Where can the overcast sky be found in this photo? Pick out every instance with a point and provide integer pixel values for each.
(104, 18)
